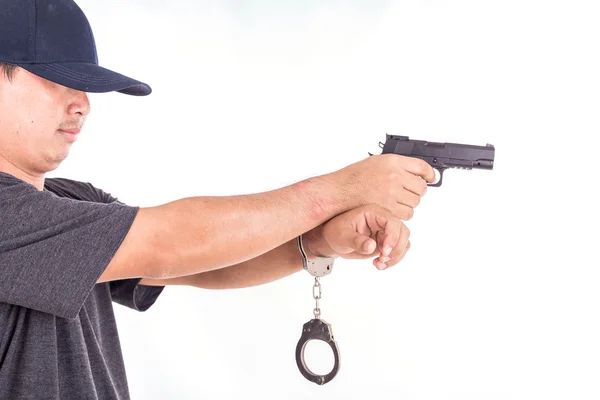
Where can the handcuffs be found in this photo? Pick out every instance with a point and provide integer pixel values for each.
(316, 328)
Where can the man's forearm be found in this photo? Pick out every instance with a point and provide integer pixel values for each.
(207, 233)
(275, 264)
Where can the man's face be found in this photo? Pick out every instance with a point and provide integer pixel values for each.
(35, 118)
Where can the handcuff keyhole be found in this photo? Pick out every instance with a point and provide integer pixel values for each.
(318, 357)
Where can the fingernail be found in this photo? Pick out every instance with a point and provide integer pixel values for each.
(382, 265)
(386, 251)
(384, 259)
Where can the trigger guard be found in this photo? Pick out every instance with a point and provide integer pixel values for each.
(317, 329)
(438, 183)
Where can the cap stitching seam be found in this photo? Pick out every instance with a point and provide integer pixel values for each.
(92, 79)
(58, 69)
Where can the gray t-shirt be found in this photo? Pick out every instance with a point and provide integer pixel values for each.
(58, 336)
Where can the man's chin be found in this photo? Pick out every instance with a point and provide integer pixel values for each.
(54, 161)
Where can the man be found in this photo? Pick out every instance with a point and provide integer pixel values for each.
(68, 250)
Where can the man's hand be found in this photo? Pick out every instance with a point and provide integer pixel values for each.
(392, 181)
(364, 232)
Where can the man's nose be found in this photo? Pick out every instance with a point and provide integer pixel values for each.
(80, 103)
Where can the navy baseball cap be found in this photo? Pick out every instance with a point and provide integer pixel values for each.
(53, 39)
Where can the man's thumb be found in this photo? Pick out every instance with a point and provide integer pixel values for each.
(363, 244)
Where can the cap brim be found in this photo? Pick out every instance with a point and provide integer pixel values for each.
(88, 77)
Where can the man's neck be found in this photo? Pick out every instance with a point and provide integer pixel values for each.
(36, 180)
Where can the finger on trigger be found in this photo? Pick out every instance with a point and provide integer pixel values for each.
(423, 169)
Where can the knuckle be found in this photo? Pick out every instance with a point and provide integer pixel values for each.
(390, 160)
(399, 159)
(397, 222)
(426, 167)
(390, 191)
(419, 165)
(404, 164)
(417, 200)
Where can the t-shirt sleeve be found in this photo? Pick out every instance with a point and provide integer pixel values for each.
(54, 249)
(129, 292)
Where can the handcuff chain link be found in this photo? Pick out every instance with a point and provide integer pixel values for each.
(317, 297)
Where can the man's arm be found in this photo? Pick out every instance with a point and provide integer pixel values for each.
(200, 234)
(278, 263)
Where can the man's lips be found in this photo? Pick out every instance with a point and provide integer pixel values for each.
(74, 131)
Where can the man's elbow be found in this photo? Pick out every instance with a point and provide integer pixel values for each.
(148, 250)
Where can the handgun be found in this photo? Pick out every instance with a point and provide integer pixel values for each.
(441, 156)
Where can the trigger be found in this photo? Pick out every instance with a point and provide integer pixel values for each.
(437, 183)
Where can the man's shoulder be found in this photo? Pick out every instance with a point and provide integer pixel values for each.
(12, 187)
(78, 190)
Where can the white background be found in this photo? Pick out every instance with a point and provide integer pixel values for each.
(499, 295)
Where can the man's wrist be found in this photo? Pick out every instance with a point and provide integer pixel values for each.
(316, 245)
